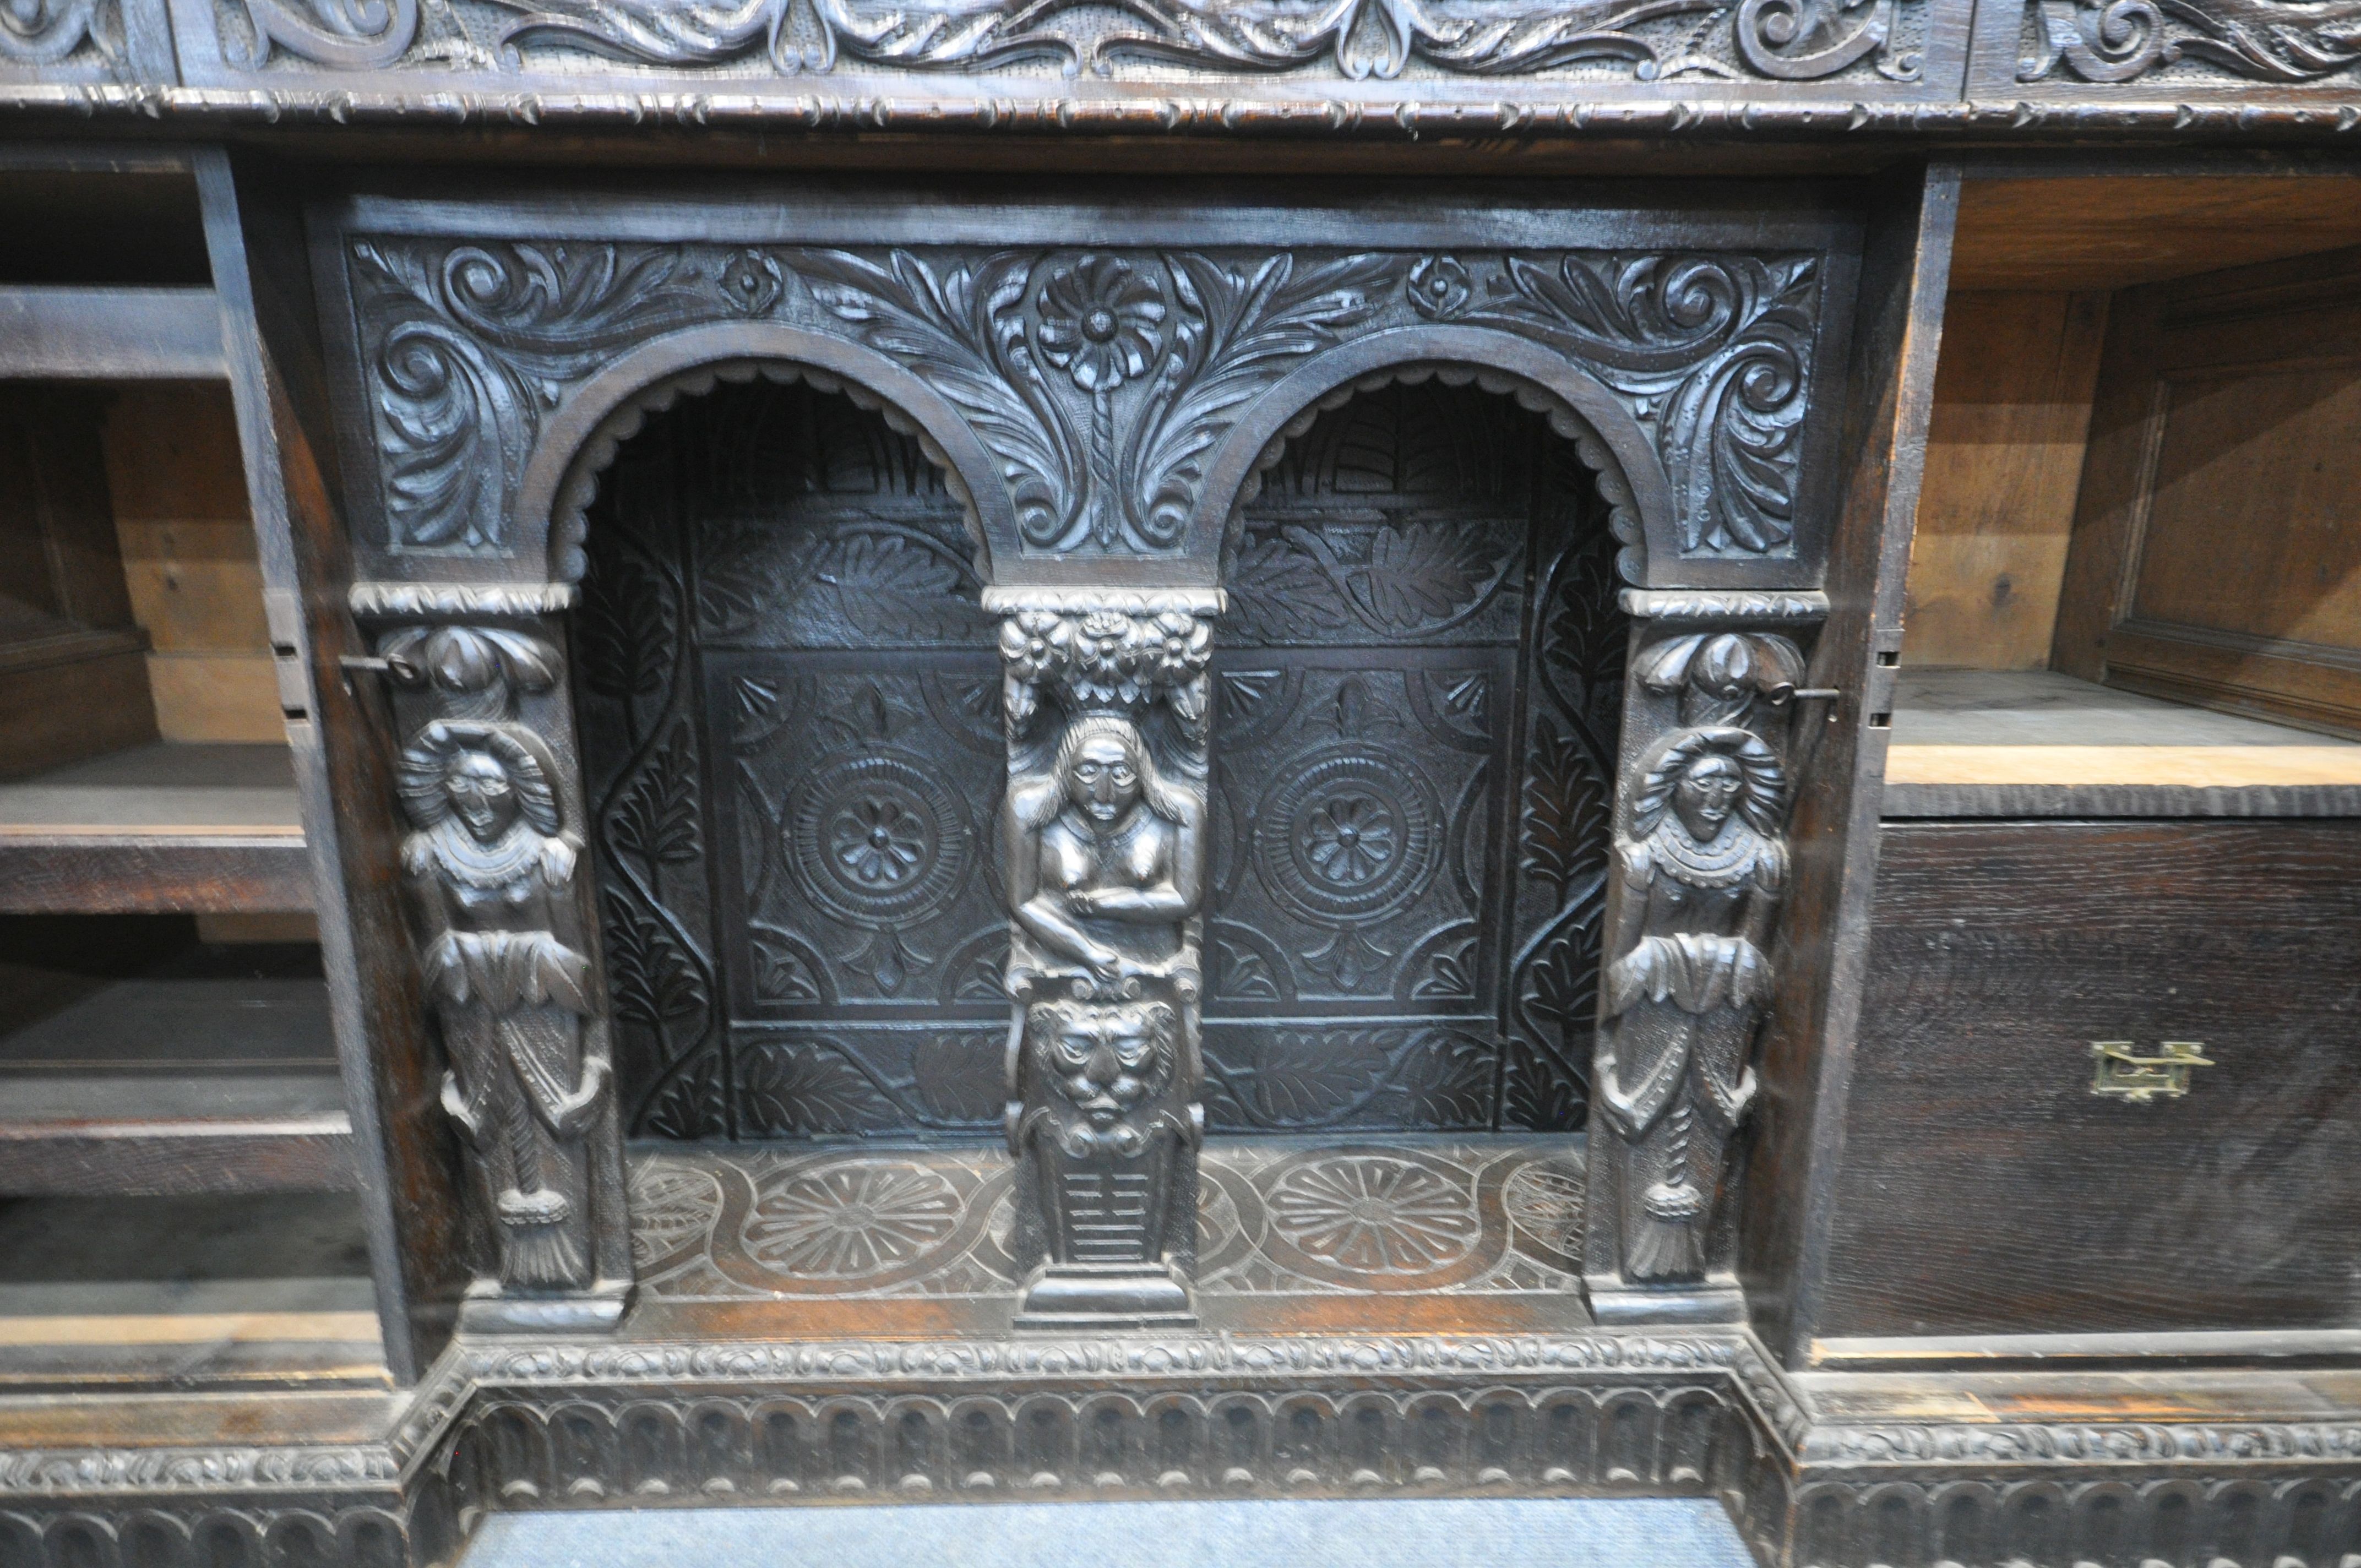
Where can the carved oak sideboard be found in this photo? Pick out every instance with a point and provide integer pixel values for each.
(971, 811)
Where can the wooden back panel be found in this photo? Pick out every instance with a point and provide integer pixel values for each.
(2217, 557)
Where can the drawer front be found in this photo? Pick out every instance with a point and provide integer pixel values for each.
(1986, 1190)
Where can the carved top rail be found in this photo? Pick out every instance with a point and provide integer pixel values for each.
(1102, 393)
(1381, 68)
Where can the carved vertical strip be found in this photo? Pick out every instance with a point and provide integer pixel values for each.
(1109, 716)
(489, 784)
(1697, 880)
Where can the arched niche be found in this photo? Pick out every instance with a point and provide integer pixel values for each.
(788, 698)
(1579, 407)
(1420, 686)
(579, 440)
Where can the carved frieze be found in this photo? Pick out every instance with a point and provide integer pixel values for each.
(1108, 708)
(1635, 42)
(1101, 383)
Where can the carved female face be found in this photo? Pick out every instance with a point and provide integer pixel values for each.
(1103, 780)
(1706, 794)
(480, 794)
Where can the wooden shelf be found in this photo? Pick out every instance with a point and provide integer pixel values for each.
(55, 332)
(155, 829)
(2038, 743)
(192, 1079)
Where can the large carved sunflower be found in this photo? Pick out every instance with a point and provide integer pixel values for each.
(1101, 321)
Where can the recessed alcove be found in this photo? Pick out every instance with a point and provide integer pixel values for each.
(790, 711)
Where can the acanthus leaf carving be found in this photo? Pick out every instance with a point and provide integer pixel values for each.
(1714, 350)
(964, 328)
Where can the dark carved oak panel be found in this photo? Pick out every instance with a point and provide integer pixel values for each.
(1420, 688)
(791, 709)
(791, 713)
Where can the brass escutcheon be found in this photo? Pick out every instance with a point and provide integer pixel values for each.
(2117, 1070)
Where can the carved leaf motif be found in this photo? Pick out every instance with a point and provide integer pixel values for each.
(1566, 808)
(627, 628)
(810, 1089)
(690, 1106)
(1303, 1077)
(657, 820)
(885, 587)
(1239, 329)
(1280, 590)
(1240, 974)
(784, 969)
(652, 981)
(1451, 973)
(1424, 575)
(963, 331)
(1584, 642)
(1447, 1081)
(959, 1079)
(1538, 1095)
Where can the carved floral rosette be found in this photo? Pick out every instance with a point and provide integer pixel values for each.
(1699, 876)
(1107, 707)
(492, 871)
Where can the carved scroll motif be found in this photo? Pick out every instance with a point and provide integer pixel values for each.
(1701, 869)
(492, 867)
(2262, 40)
(1107, 703)
(43, 32)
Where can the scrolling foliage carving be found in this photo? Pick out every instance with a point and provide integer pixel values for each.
(490, 865)
(2121, 41)
(1645, 40)
(1700, 870)
(1102, 382)
(1108, 706)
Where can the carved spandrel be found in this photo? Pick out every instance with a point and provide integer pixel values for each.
(491, 866)
(1107, 704)
(1099, 382)
(1700, 871)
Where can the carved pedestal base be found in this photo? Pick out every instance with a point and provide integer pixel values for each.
(488, 1309)
(1071, 1296)
(1714, 1299)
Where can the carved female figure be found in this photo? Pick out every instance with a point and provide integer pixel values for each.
(491, 871)
(1106, 864)
(1702, 869)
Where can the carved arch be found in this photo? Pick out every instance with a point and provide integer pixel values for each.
(580, 442)
(1580, 407)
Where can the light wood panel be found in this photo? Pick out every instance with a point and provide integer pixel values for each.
(2216, 555)
(2003, 462)
(2066, 232)
(191, 563)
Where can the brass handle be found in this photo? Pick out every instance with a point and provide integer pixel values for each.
(2118, 1070)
